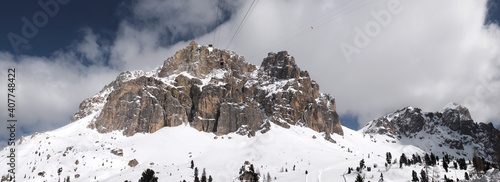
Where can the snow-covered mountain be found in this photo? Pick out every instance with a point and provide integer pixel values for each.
(451, 130)
(195, 113)
(214, 91)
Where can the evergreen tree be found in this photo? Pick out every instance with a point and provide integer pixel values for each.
(210, 178)
(467, 176)
(477, 163)
(148, 176)
(388, 157)
(192, 164)
(455, 165)
(414, 176)
(359, 178)
(427, 160)
(196, 179)
(423, 176)
(445, 166)
(268, 177)
(381, 177)
(203, 176)
(402, 160)
(196, 172)
(433, 159)
(361, 164)
(348, 170)
(446, 158)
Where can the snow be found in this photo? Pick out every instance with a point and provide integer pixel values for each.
(222, 157)
(213, 75)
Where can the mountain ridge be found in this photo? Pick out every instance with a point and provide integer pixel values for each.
(214, 91)
(450, 128)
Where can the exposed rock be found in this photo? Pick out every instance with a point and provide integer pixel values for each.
(453, 126)
(42, 174)
(133, 163)
(192, 87)
(118, 152)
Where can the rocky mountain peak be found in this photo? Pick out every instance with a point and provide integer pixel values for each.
(450, 128)
(193, 87)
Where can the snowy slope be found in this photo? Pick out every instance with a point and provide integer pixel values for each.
(170, 150)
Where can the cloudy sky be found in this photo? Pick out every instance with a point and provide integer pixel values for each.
(374, 56)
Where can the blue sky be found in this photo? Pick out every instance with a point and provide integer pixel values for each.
(86, 44)
(64, 28)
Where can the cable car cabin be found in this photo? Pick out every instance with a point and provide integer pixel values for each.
(221, 62)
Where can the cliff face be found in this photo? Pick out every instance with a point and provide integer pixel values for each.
(192, 87)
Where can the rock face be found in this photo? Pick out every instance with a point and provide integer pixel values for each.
(193, 88)
(451, 128)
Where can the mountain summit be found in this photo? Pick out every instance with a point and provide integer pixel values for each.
(216, 91)
(451, 130)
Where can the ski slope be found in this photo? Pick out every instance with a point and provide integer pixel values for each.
(170, 150)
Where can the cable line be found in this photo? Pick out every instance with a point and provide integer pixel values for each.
(216, 21)
(241, 23)
(319, 21)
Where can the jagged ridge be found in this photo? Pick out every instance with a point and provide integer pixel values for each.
(192, 87)
(451, 128)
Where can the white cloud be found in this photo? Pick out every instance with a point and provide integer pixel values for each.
(429, 54)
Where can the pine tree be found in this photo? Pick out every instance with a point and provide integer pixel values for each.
(381, 177)
(359, 178)
(414, 176)
(427, 160)
(433, 159)
(148, 176)
(388, 157)
(402, 160)
(203, 176)
(196, 172)
(269, 179)
(445, 166)
(467, 176)
(362, 164)
(192, 164)
(423, 176)
(196, 179)
(348, 170)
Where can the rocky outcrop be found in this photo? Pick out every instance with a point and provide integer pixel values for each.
(451, 128)
(193, 88)
(133, 163)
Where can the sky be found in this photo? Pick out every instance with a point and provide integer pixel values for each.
(374, 57)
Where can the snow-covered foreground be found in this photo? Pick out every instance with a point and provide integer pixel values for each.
(85, 153)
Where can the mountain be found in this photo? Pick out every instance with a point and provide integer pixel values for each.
(192, 87)
(236, 121)
(451, 130)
